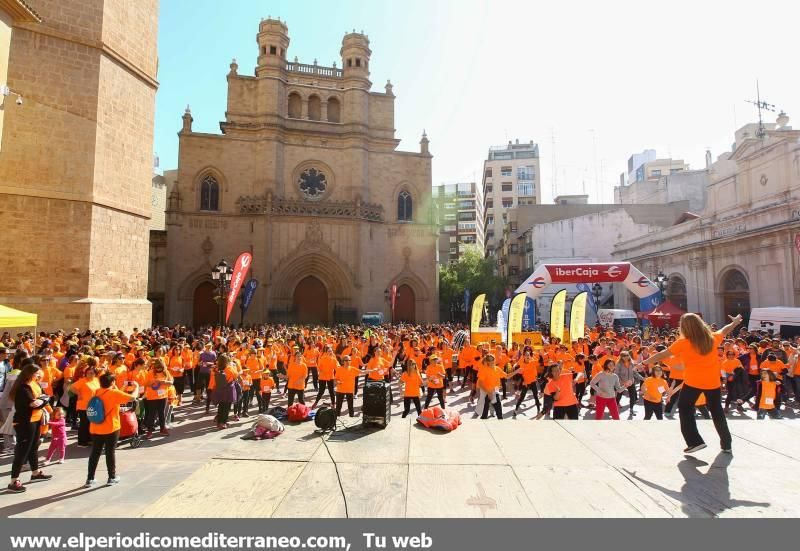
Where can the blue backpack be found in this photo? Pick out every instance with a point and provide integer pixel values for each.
(95, 411)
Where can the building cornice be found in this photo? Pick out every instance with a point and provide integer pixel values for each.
(20, 11)
(104, 48)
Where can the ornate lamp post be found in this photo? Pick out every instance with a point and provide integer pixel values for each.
(661, 281)
(597, 292)
(222, 274)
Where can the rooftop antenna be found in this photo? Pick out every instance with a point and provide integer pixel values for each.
(761, 132)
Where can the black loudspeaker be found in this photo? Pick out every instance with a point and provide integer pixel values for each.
(325, 418)
(376, 408)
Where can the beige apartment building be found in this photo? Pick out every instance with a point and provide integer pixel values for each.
(459, 215)
(307, 177)
(511, 177)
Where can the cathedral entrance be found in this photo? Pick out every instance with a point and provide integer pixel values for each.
(405, 308)
(310, 301)
(204, 310)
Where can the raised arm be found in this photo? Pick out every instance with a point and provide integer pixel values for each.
(735, 321)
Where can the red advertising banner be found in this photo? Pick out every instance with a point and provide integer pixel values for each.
(588, 273)
(237, 280)
(394, 296)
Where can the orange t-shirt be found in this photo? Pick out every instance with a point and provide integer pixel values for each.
(769, 390)
(701, 371)
(653, 389)
(381, 367)
(435, 375)
(327, 367)
(156, 386)
(50, 375)
(411, 384)
(175, 366)
(776, 367)
(85, 389)
(267, 384)
(296, 375)
(529, 371)
(489, 379)
(674, 366)
(346, 379)
(728, 366)
(112, 399)
(564, 385)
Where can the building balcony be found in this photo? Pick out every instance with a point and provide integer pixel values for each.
(330, 72)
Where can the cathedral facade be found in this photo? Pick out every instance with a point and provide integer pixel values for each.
(306, 176)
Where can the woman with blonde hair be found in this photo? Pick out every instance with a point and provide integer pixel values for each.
(697, 347)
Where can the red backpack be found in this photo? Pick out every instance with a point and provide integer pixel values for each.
(297, 412)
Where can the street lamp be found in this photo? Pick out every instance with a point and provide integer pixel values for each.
(661, 281)
(597, 292)
(222, 274)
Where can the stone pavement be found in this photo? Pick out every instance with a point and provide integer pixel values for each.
(509, 468)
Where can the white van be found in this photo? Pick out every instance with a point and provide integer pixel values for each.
(617, 318)
(781, 320)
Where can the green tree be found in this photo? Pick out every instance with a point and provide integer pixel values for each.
(471, 271)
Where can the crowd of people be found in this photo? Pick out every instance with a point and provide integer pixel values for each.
(60, 384)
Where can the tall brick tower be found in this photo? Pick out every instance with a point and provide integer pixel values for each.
(76, 163)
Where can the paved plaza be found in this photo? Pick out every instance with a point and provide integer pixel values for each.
(490, 468)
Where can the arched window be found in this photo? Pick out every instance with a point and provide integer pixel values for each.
(314, 108)
(295, 106)
(676, 292)
(404, 206)
(209, 194)
(735, 294)
(334, 110)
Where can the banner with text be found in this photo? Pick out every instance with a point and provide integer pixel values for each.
(237, 279)
(557, 314)
(515, 313)
(477, 312)
(577, 316)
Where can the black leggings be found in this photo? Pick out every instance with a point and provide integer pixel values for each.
(439, 392)
(84, 438)
(494, 400)
(314, 374)
(263, 405)
(673, 400)
(223, 411)
(298, 393)
(109, 442)
(686, 406)
(524, 391)
(255, 392)
(152, 409)
(27, 448)
(632, 396)
(407, 405)
(566, 412)
(322, 386)
(340, 397)
(653, 408)
(179, 383)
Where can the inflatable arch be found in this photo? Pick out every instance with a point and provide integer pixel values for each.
(618, 272)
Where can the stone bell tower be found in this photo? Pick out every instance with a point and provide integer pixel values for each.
(77, 163)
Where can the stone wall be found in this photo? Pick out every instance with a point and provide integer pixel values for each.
(75, 175)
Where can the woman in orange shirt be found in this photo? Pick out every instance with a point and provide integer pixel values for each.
(697, 347)
(435, 376)
(29, 401)
(412, 382)
(175, 364)
(565, 403)
(326, 367)
(296, 374)
(106, 434)
(156, 393)
(85, 388)
(346, 377)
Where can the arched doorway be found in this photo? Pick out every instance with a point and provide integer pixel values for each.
(735, 295)
(310, 301)
(676, 292)
(405, 307)
(204, 310)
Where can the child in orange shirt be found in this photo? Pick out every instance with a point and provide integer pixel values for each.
(767, 397)
(267, 385)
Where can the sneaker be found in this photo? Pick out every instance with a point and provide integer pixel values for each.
(16, 487)
(692, 449)
(41, 476)
(164, 432)
(245, 414)
(80, 445)
(90, 484)
(148, 435)
(60, 461)
(727, 450)
(113, 481)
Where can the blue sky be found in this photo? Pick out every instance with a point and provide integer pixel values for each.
(602, 80)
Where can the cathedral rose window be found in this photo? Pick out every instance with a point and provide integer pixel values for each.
(312, 183)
